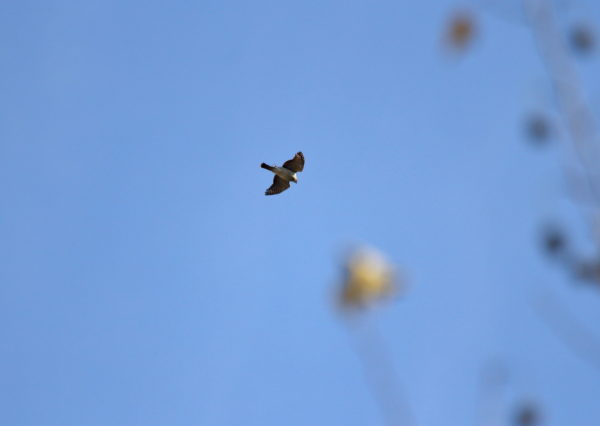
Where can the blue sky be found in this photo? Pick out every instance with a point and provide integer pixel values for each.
(146, 279)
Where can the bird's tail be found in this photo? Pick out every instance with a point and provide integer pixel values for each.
(266, 166)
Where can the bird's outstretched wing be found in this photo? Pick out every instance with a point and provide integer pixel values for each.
(296, 164)
(279, 185)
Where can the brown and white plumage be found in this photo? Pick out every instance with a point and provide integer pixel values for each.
(296, 164)
(285, 174)
(279, 185)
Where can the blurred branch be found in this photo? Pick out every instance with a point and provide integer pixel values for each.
(494, 378)
(576, 112)
(584, 343)
(380, 373)
(368, 278)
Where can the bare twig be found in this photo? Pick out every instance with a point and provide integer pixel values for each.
(583, 343)
(494, 378)
(575, 111)
(379, 372)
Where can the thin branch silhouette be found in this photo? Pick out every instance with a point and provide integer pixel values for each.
(574, 334)
(379, 372)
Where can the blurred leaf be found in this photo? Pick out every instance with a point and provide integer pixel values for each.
(460, 31)
(368, 277)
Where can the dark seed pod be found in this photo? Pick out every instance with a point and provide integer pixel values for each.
(527, 415)
(537, 128)
(581, 38)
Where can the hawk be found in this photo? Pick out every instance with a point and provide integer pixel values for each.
(285, 174)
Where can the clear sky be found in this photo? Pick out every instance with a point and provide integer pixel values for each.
(146, 280)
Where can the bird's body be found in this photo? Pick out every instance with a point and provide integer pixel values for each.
(285, 174)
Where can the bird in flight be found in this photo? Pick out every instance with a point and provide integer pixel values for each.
(285, 174)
